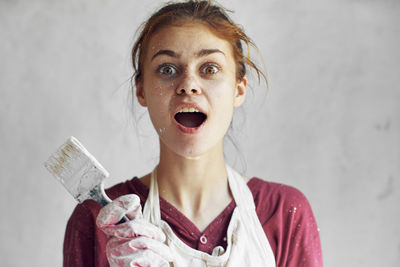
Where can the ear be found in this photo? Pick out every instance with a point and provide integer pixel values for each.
(140, 93)
(240, 92)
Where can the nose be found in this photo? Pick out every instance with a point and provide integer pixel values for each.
(188, 86)
(192, 91)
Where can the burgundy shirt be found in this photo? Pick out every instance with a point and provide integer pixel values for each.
(283, 211)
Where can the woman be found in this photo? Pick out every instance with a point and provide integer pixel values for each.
(193, 209)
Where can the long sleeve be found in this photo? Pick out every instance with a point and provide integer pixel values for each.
(302, 240)
(84, 245)
(289, 224)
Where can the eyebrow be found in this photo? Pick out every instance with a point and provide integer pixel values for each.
(201, 53)
(205, 52)
(165, 52)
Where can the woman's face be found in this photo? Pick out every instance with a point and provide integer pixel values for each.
(190, 87)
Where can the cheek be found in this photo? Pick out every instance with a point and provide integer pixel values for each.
(155, 92)
(157, 88)
(221, 93)
(158, 101)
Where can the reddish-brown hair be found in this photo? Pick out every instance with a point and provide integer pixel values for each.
(198, 11)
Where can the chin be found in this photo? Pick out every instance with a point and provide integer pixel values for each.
(189, 151)
(192, 147)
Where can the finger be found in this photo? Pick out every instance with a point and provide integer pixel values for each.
(121, 253)
(143, 258)
(119, 248)
(134, 228)
(156, 246)
(122, 248)
(113, 212)
(146, 258)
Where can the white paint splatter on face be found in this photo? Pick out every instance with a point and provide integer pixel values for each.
(161, 130)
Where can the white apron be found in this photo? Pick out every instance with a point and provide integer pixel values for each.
(247, 244)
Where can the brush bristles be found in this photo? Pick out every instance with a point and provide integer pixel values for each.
(76, 168)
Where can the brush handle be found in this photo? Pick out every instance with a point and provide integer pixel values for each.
(99, 195)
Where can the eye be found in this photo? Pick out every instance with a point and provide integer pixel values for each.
(210, 69)
(167, 70)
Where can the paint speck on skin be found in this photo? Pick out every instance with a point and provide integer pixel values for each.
(161, 130)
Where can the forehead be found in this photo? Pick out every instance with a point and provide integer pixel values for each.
(186, 39)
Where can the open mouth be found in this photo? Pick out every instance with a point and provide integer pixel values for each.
(190, 119)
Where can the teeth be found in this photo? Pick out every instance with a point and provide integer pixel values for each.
(188, 110)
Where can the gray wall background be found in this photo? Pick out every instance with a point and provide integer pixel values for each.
(328, 126)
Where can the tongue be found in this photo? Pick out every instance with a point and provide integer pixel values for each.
(190, 119)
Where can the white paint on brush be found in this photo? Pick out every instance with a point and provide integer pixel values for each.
(76, 169)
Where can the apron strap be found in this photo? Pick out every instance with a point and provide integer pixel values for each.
(247, 211)
(151, 209)
(240, 191)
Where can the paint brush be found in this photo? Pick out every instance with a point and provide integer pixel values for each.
(79, 172)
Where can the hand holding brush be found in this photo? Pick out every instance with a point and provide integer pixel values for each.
(133, 243)
(132, 240)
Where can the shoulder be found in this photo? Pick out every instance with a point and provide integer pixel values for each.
(273, 199)
(288, 221)
(262, 189)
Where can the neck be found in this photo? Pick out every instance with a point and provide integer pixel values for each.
(194, 185)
